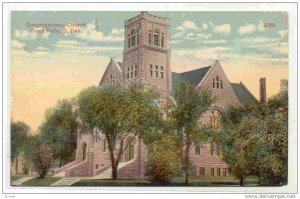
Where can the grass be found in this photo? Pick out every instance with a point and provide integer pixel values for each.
(47, 181)
(193, 181)
(109, 182)
(15, 178)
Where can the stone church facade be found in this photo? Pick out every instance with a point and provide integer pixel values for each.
(146, 59)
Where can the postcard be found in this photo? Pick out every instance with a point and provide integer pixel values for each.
(196, 98)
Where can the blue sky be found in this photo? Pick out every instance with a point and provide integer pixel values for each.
(47, 66)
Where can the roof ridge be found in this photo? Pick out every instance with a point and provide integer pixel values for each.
(193, 70)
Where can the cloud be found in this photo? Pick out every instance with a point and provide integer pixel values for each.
(91, 34)
(204, 26)
(40, 48)
(260, 26)
(187, 25)
(251, 28)
(221, 41)
(24, 34)
(117, 31)
(224, 28)
(76, 47)
(247, 29)
(283, 33)
(17, 45)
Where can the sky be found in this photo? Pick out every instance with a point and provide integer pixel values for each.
(48, 64)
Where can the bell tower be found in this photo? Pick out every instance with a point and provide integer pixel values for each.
(147, 53)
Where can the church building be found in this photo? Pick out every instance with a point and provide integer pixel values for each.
(146, 59)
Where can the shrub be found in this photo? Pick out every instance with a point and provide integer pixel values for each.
(43, 159)
(163, 160)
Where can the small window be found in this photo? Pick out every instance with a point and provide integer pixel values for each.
(151, 70)
(131, 67)
(133, 40)
(162, 75)
(149, 38)
(127, 75)
(129, 42)
(156, 67)
(135, 73)
(218, 150)
(131, 74)
(136, 67)
(213, 83)
(212, 172)
(221, 84)
(104, 145)
(211, 150)
(162, 68)
(202, 171)
(162, 42)
(197, 148)
(224, 172)
(156, 40)
(218, 172)
(138, 39)
(97, 166)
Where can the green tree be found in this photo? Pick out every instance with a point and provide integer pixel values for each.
(163, 160)
(43, 159)
(256, 140)
(242, 141)
(19, 131)
(60, 130)
(184, 109)
(29, 149)
(275, 135)
(117, 113)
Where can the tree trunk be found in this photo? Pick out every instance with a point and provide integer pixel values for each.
(187, 162)
(115, 172)
(242, 181)
(16, 165)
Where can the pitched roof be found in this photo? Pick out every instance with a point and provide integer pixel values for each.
(243, 94)
(193, 76)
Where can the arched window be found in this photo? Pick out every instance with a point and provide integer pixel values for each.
(150, 37)
(129, 41)
(112, 80)
(137, 38)
(156, 37)
(216, 119)
(197, 148)
(84, 148)
(129, 154)
(132, 37)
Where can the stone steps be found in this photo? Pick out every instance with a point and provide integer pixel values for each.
(65, 182)
(107, 173)
(20, 181)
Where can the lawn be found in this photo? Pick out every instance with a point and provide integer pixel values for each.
(193, 181)
(15, 178)
(47, 181)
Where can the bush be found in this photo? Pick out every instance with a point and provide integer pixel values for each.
(43, 159)
(163, 160)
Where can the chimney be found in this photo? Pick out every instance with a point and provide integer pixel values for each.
(283, 85)
(262, 89)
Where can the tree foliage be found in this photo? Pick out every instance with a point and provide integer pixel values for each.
(29, 149)
(184, 109)
(256, 140)
(118, 112)
(43, 159)
(164, 160)
(60, 130)
(19, 131)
